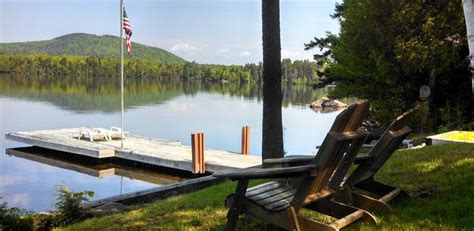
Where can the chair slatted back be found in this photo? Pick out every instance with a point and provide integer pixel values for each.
(344, 131)
(390, 140)
(350, 119)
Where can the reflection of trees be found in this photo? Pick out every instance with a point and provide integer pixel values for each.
(84, 94)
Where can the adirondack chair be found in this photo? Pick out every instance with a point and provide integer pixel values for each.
(368, 165)
(279, 202)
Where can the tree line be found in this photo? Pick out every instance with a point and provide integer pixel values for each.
(386, 50)
(294, 72)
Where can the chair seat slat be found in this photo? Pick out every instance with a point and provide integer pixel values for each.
(266, 199)
(279, 205)
(263, 188)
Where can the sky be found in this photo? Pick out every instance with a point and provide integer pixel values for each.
(205, 31)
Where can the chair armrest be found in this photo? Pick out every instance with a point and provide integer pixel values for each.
(290, 160)
(268, 173)
(362, 159)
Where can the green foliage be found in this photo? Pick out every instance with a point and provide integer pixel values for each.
(300, 71)
(15, 218)
(386, 50)
(70, 205)
(80, 44)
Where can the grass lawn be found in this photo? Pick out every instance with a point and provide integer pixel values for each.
(448, 170)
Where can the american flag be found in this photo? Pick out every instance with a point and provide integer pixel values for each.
(128, 31)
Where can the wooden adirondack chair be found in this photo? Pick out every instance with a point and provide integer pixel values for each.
(368, 165)
(279, 202)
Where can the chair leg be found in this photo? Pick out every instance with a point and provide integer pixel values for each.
(367, 203)
(387, 192)
(236, 204)
(293, 218)
(345, 213)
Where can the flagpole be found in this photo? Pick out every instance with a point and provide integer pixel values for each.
(121, 72)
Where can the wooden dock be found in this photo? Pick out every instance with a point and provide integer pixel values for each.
(171, 154)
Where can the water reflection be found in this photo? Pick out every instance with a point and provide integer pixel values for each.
(96, 167)
(41, 171)
(81, 94)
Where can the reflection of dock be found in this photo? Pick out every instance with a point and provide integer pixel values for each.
(91, 170)
(46, 156)
(163, 153)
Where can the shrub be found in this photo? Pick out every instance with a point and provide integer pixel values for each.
(70, 205)
(15, 218)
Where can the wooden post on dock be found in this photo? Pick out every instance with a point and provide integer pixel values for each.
(202, 164)
(245, 140)
(197, 146)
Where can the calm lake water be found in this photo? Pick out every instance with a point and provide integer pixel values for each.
(165, 110)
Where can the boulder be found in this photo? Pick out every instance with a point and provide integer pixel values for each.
(327, 103)
(316, 104)
(339, 104)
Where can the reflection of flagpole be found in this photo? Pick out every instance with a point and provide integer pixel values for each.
(121, 72)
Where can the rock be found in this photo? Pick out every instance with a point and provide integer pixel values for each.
(372, 129)
(340, 104)
(327, 103)
(107, 208)
(316, 104)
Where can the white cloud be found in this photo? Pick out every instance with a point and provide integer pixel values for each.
(245, 54)
(183, 47)
(9, 180)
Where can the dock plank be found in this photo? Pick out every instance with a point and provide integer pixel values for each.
(171, 154)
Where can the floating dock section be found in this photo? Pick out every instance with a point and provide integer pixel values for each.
(170, 154)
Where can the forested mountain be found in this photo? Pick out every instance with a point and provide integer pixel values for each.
(94, 56)
(80, 44)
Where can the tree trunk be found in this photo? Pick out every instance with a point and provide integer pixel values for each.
(272, 133)
(468, 6)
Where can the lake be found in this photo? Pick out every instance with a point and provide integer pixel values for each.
(169, 110)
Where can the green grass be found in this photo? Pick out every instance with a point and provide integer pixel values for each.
(448, 168)
(460, 136)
